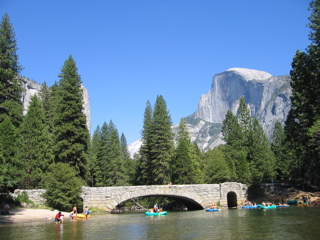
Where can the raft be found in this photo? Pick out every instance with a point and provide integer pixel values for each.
(303, 204)
(82, 216)
(283, 205)
(156, 213)
(267, 207)
(292, 201)
(248, 207)
(212, 209)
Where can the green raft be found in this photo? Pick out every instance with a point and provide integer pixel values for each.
(156, 213)
(267, 207)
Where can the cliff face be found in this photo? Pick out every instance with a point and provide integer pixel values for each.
(31, 88)
(267, 96)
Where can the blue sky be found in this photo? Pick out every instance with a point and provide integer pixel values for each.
(129, 51)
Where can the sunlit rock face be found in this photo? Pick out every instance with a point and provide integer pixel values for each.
(267, 96)
(31, 88)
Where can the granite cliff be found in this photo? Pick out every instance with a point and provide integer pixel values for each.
(31, 88)
(267, 96)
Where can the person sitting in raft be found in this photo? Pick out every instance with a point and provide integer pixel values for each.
(58, 219)
(155, 207)
(151, 210)
(86, 212)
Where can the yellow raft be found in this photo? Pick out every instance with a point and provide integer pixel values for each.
(82, 216)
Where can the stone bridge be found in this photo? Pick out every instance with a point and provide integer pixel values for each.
(194, 197)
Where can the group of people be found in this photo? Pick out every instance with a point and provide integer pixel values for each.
(213, 206)
(248, 203)
(155, 209)
(73, 214)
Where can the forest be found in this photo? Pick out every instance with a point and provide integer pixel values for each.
(50, 147)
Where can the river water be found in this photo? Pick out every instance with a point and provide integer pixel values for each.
(280, 223)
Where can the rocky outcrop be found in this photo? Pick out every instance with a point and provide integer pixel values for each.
(267, 96)
(31, 88)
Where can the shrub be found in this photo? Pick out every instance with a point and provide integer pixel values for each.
(63, 187)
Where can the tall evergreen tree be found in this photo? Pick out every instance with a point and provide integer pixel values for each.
(305, 111)
(93, 168)
(70, 129)
(116, 174)
(185, 165)
(280, 150)
(144, 173)
(260, 157)
(10, 82)
(47, 103)
(8, 148)
(130, 164)
(162, 142)
(34, 144)
(217, 169)
(101, 156)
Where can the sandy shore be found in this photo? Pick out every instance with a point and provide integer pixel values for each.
(22, 215)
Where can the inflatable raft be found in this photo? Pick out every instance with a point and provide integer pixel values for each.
(82, 216)
(212, 209)
(156, 213)
(248, 207)
(267, 207)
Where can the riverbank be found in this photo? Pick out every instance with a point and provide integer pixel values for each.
(23, 215)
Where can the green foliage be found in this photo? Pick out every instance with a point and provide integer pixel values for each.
(70, 130)
(217, 170)
(305, 111)
(34, 143)
(280, 150)
(10, 83)
(8, 148)
(185, 165)
(22, 198)
(260, 157)
(162, 143)
(144, 173)
(63, 187)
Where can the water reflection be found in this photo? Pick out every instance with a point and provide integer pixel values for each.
(290, 223)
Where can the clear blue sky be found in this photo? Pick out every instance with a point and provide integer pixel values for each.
(130, 51)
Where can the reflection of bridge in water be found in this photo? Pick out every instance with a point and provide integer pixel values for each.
(194, 197)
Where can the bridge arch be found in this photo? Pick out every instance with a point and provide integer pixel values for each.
(194, 197)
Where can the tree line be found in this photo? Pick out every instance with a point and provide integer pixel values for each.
(50, 147)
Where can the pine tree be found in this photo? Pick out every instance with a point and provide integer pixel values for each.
(115, 172)
(305, 111)
(47, 103)
(161, 142)
(8, 148)
(144, 173)
(34, 144)
(185, 167)
(93, 168)
(260, 157)
(70, 129)
(280, 150)
(217, 169)
(10, 82)
(101, 156)
(130, 164)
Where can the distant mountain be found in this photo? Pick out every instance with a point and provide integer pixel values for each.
(267, 96)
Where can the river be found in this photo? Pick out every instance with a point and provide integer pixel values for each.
(280, 223)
